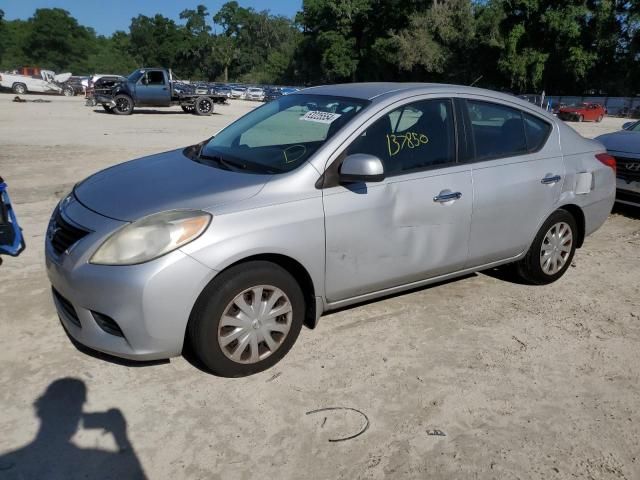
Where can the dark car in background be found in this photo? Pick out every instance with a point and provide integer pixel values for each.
(624, 146)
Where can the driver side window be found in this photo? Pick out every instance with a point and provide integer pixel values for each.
(416, 136)
(154, 78)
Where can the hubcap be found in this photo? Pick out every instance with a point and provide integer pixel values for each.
(556, 248)
(205, 106)
(255, 324)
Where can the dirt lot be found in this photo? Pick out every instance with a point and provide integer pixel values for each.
(523, 382)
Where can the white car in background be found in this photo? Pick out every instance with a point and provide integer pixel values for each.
(238, 92)
(255, 93)
(46, 82)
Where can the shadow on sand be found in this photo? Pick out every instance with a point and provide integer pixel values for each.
(53, 455)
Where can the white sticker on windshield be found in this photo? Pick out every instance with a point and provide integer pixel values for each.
(320, 117)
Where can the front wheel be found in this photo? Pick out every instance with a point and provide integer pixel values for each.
(19, 88)
(580, 118)
(124, 105)
(246, 319)
(552, 250)
(600, 118)
(68, 92)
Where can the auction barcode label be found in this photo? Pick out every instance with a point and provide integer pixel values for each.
(321, 117)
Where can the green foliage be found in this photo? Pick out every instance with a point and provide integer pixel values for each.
(573, 46)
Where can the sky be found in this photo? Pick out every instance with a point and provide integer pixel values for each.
(108, 16)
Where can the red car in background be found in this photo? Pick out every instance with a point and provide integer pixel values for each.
(582, 112)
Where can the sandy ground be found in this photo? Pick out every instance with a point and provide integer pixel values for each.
(523, 382)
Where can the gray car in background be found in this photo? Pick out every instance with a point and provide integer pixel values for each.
(625, 147)
(320, 199)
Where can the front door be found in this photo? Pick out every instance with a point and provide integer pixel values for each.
(414, 224)
(153, 90)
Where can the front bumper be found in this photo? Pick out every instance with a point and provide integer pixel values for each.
(150, 302)
(104, 99)
(628, 192)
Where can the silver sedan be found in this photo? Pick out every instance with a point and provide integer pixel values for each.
(321, 199)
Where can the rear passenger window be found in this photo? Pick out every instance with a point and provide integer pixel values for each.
(498, 131)
(537, 132)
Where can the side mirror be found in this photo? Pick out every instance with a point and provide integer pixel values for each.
(361, 167)
(628, 125)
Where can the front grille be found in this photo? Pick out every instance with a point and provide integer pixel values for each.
(627, 196)
(628, 168)
(67, 308)
(62, 234)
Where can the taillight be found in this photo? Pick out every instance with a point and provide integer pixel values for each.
(607, 159)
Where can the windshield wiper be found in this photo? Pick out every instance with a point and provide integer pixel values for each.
(228, 164)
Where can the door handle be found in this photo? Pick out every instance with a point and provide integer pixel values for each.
(550, 180)
(443, 197)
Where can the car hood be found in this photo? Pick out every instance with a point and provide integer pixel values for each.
(623, 141)
(165, 181)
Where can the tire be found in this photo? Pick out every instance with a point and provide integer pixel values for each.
(208, 335)
(68, 92)
(580, 119)
(124, 105)
(204, 106)
(600, 118)
(19, 88)
(107, 108)
(188, 108)
(539, 268)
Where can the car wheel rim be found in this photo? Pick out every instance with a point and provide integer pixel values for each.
(20, 89)
(255, 324)
(556, 248)
(205, 107)
(122, 104)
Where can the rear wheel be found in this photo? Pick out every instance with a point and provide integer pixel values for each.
(580, 118)
(19, 88)
(124, 105)
(246, 319)
(204, 106)
(600, 118)
(552, 250)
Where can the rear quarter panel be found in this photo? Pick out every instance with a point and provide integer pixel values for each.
(580, 157)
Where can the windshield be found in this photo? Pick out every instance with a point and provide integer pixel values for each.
(281, 135)
(135, 76)
(634, 128)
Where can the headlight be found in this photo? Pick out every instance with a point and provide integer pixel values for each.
(151, 237)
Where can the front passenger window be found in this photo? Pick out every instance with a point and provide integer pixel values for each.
(413, 137)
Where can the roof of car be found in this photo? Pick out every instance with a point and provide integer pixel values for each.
(371, 90)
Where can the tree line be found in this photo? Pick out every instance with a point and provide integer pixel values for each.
(562, 47)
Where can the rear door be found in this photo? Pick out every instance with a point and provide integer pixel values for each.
(415, 223)
(153, 89)
(518, 172)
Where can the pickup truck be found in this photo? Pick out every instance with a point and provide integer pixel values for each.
(156, 87)
(46, 82)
